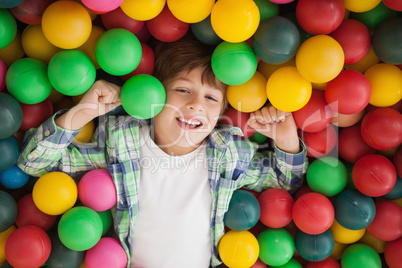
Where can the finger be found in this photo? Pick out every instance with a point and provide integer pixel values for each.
(266, 114)
(259, 117)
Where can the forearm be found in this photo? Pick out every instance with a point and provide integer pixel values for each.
(73, 119)
(291, 146)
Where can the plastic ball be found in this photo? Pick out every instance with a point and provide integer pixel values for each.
(319, 17)
(351, 145)
(387, 223)
(381, 128)
(86, 133)
(80, 228)
(362, 66)
(267, 9)
(166, 27)
(106, 253)
(319, 143)
(316, 115)
(384, 41)
(96, 190)
(327, 263)
(66, 24)
(243, 212)
(347, 120)
(235, 20)
(71, 72)
(276, 246)
(258, 138)
(107, 220)
(8, 28)
(61, 256)
(334, 172)
(360, 6)
(118, 19)
(28, 246)
(360, 255)
(36, 45)
(249, 96)
(27, 81)
(344, 235)
(103, 6)
(35, 114)
(320, 59)
(392, 253)
(89, 46)
(118, 51)
(10, 151)
(190, 11)
(13, 178)
(3, 239)
(234, 63)
(393, 4)
(386, 83)
(377, 244)
(238, 119)
(397, 161)
(314, 247)
(9, 3)
(10, 114)
(288, 90)
(13, 51)
(54, 193)
(3, 72)
(142, 9)
(8, 209)
(396, 191)
(147, 62)
(313, 213)
(276, 207)
(204, 32)
(349, 92)
(30, 11)
(374, 175)
(276, 40)
(238, 249)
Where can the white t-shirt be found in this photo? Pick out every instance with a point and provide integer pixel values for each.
(173, 224)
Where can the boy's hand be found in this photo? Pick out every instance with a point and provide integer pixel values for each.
(277, 125)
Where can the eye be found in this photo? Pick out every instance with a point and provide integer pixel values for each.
(211, 98)
(182, 90)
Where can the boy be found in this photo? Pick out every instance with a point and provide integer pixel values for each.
(175, 177)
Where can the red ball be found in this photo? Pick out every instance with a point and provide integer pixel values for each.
(349, 92)
(259, 264)
(118, 19)
(374, 175)
(238, 119)
(316, 115)
(393, 4)
(167, 28)
(29, 214)
(319, 143)
(387, 223)
(313, 213)
(147, 62)
(393, 253)
(319, 17)
(27, 246)
(276, 207)
(354, 38)
(351, 144)
(33, 115)
(30, 11)
(382, 128)
(327, 263)
(397, 160)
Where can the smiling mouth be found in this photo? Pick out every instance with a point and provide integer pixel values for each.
(188, 123)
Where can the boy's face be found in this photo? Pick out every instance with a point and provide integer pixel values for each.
(191, 112)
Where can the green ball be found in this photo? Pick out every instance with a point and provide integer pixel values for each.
(107, 220)
(10, 115)
(118, 51)
(327, 175)
(293, 263)
(71, 72)
(143, 96)
(61, 256)
(258, 138)
(27, 81)
(80, 228)
(234, 63)
(276, 246)
(360, 255)
(8, 28)
(267, 9)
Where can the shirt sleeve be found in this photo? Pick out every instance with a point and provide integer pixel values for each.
(276, 169)
(51, 148)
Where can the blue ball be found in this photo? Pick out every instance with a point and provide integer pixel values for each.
(243, 212)
(314, 247)
(13, 178)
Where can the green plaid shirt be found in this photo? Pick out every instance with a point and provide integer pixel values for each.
(233, 163)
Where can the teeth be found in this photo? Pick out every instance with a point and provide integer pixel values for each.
(190, 122)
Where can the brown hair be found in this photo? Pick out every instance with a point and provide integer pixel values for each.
(184, 55)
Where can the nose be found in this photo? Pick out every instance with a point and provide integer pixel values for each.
(195, 103)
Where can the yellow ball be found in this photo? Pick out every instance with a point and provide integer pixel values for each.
(250, 96)
(287, 90)
(190, 11)
(338, 250)
(89, 46)
(13, 51)
(360, 5)
(235, 20)
(36, 45)
(86, 133)
(268, 69)
(377, 244)
(142, 9)
(320, 59)
(66, 24)
(386, 84)
(54, 193)
(3, 239)
(238, 249)
(344, 235)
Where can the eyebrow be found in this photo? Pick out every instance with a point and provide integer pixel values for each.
(191, 82)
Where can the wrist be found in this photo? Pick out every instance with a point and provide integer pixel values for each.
(290, 145)
(73, 119)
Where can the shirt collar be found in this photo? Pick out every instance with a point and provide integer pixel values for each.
(220, 135)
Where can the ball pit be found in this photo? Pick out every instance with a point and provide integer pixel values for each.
(33, 115)
(30, 11)
(143, 9)
(204, 32)
(13, 178)
(10, 114)
(344, 235)
(276, 207)
(314, 247)
(383, 44)
(118, 19)
(106, 253)
(276, 246)
(8, 209)
(392, 252)
(360, 255)
(9, 149)
(61, 256)
(8, 28)
(189, 11)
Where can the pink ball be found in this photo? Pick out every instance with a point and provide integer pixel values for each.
(102, 6)
(3, 71)
(97, 191)
(105, 254)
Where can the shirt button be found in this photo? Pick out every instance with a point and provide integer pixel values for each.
(47, 132)
(34, 155)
